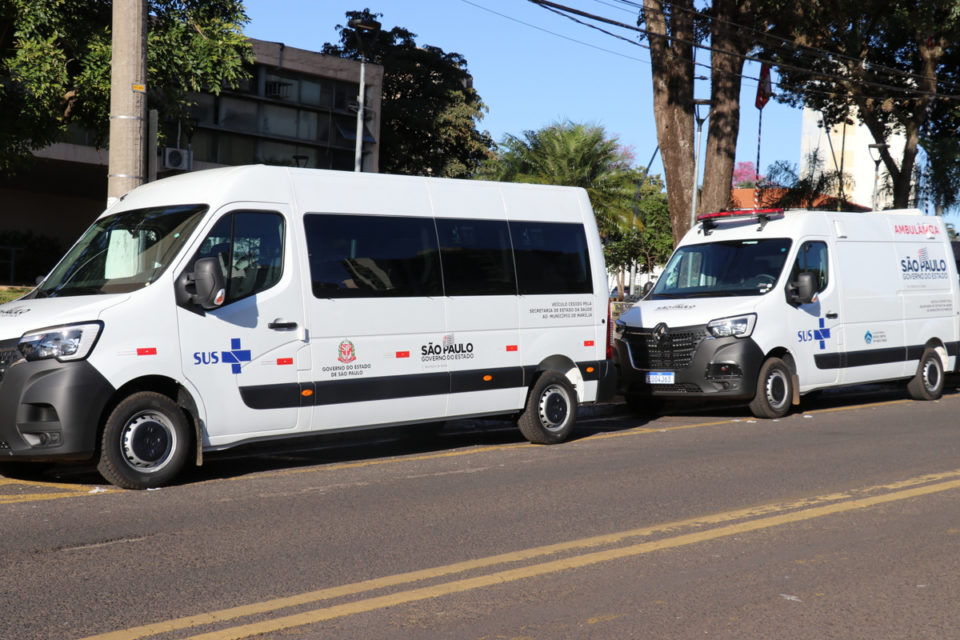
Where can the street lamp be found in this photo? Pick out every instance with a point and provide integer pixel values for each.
(879, 148)
(371, 27)
(696, 158)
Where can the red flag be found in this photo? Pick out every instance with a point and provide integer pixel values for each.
(764, 90)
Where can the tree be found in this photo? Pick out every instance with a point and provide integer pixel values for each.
(888, 61)
(572, 154)
(55, 65)
(674, 31)
(807, 190)
(430, 110)
(650, 242)
(671, 35)
(745, 176)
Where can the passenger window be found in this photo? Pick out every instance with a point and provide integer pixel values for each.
(551, 258)
(249, 247)
(812, 258)
(372, 256)
(476, 258)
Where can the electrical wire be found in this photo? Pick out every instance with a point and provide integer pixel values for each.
(566, 11)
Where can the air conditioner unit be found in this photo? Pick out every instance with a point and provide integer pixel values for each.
(178, 159)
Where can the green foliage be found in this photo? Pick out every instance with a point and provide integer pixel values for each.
(430, 110)
(807, 190)
(892, 59)
(650, 242)
(575, 155)
(55, 64)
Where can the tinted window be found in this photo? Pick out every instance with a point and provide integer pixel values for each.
(249, 247)
(812, 257)
(551, 258)
(727, 268)
(372, 256)
(476, 257)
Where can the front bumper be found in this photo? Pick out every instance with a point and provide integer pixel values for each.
(51, 410)
(701, 364)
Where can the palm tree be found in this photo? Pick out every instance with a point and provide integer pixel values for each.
(572, 154)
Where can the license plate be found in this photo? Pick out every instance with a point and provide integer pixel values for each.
(660, 377)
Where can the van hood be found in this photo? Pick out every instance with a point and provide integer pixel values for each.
(686, 312)
(24, 315)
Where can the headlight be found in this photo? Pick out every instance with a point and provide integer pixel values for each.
(736, 326)
(71, 342)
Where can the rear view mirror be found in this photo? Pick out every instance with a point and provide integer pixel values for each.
(203, 287)
(803, 289)
(208, 280)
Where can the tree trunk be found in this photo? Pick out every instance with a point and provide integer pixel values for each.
(672, 69)
(728, 48)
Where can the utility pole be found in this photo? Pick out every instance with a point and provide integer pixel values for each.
(128, 99)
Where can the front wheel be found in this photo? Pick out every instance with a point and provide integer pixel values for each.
(551, 410)
(145, 442)
(774, 390)
(927, 384)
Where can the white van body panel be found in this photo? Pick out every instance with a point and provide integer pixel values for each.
(286, 359)
(891, 290)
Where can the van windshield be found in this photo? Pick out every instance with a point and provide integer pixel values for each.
(123, 252)
(727, 268)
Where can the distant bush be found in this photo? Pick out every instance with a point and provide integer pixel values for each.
(36, 256)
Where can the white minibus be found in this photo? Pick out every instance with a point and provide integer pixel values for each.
(252, 303)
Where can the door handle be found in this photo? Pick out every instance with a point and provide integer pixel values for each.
(833, 316)
(280, 325)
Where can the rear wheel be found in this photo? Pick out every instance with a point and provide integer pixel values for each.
(145, 442)
(927, 384)
(551, 410)
(774, 390)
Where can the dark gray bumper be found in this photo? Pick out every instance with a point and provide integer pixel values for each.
(51, 410)
(719, 367)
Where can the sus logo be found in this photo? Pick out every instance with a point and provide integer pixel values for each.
(346, 352)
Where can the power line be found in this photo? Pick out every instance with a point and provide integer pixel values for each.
(553, 33)
(566, 11)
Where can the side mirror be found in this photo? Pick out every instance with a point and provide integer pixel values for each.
(646, 289)
(803, 289)
(203, 287)
(208, 280)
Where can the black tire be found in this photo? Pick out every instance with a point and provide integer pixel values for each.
(146, 442)
(774, 390)
(927, 384)
(551, 410)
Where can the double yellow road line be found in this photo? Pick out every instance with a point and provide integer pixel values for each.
(314, 607)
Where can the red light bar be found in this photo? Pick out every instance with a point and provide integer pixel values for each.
(763, 216)
(739, 213)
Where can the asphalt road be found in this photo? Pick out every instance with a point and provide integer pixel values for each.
(839, 521)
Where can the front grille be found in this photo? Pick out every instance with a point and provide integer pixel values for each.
(683, 387)
(8, 355)
(673, 350)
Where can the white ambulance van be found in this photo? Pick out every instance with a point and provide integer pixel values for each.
(251, 303)
(767, 305)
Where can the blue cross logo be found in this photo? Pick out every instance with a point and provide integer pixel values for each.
(236, 355)
(822, 334)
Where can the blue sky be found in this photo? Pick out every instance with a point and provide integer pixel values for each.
(532, 67)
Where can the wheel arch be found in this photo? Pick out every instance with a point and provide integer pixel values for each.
(566, 367)
(165, 386)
